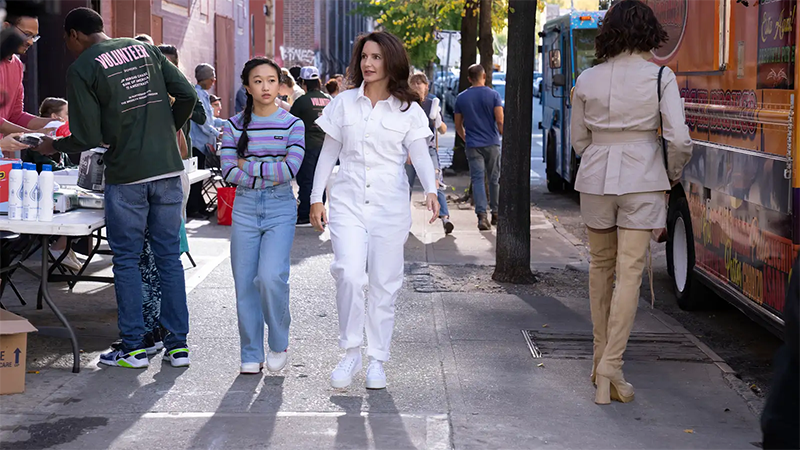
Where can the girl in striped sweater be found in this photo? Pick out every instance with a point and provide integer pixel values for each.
(262, 149)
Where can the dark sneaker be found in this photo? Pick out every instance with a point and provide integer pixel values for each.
(134, 359)
(494, 219)
(483, 223)
(178, 357)
(448, 226)
(158, 340)
(152, 343)
(303, 223)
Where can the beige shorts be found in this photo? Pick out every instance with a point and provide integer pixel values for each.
(640, 211)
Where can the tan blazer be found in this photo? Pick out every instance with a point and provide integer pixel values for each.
(614, 127)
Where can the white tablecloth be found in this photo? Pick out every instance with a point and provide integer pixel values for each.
(79, 222)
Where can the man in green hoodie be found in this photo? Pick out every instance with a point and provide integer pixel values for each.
(119, 93)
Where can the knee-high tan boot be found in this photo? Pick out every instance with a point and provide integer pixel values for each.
(631, 253)
(603, 248)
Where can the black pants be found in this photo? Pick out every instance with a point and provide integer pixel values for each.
(196, 203)
(781, 411)
(305, 180)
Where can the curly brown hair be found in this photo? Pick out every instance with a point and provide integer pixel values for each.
(396, 64)
(628, 26)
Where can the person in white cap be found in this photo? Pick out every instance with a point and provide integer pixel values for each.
(204, 136)
(371, 129)
(308, 108)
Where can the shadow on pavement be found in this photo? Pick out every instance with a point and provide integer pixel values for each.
(224, 431)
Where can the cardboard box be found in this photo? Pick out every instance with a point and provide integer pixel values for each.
(65, 200)
(5, 168)
(13, 352)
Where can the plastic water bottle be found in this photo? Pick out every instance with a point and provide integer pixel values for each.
(30, 190)
(15, 192)
(46, 184)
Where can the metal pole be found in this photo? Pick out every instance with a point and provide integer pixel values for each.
(449, 44)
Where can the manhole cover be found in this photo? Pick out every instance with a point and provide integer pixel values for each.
(641, 346)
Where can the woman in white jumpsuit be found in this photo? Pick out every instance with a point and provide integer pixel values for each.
(371, 130)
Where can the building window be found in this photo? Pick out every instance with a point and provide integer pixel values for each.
(184, 3)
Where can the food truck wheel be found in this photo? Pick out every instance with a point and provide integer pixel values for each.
(680, 254)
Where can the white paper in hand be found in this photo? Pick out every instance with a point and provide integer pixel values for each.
(434, 114)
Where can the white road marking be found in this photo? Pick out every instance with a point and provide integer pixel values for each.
(289, 414)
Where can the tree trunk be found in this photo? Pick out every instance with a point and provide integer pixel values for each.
(469, 53)
(431, 67)
(469, 40)
(514, 228)
(460, 163)
(485, 41)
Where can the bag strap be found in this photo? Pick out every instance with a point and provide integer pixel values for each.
(661, 118)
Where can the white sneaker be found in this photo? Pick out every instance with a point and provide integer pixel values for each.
(70, 261)
(342, 376)
(277, 361)
(376, 377)
(251, 368)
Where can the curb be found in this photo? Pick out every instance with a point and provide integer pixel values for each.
(577, 243)
(754, 403)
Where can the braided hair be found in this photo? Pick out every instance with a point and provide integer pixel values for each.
(247, 114)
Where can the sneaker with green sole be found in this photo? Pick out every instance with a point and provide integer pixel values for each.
(134, 359)
(178, 357)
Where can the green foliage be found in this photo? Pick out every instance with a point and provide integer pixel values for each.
(416, 21)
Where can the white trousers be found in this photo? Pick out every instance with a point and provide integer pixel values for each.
(367, 256)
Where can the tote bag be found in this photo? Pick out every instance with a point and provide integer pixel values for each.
(225, 197)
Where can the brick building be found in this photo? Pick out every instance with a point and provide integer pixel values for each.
(304, 32)
(224, 33)
(204, 31)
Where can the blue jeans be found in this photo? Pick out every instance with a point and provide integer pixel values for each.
(261, 242)
(412, 178)
(484, 161)
(130, 210)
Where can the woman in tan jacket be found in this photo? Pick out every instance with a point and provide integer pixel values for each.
(622, 178)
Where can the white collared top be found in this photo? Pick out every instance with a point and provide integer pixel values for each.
(372, 145)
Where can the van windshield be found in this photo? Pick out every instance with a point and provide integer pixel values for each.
(584, 49)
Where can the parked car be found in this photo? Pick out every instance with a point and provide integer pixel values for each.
(440, 83)
(451, 92)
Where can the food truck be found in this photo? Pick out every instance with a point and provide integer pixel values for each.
(734, 220)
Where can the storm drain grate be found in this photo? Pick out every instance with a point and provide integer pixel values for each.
(641, 346)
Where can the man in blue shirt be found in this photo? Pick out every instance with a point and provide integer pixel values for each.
(204, 137)
(479, 122)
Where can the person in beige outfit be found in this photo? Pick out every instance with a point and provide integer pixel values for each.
(622, 179)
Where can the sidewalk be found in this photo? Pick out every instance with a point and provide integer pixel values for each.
(461, 375)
